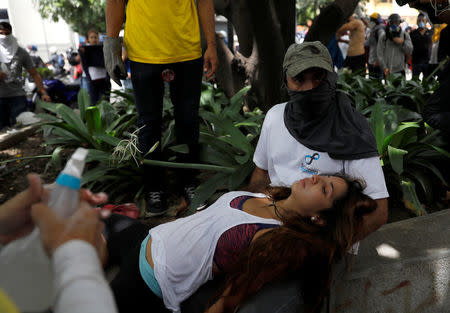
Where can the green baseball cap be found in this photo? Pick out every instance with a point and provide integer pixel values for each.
(300, 57)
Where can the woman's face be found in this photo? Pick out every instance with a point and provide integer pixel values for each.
(93, 38)
(314, 194)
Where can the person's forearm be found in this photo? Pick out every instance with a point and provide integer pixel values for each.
(376, 219)
(38, 80)
(206, 15)
(79, 281)
(259, 181)
(115, 13)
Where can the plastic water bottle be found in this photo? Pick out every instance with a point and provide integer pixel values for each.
(25, 270)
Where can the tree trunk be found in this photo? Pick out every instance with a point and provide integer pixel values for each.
(265, 29)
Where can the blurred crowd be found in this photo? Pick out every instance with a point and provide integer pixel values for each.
(378, 46)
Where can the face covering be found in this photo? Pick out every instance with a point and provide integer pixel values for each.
(324, 120)
(421, 25)
(372, 24)
(8, 48)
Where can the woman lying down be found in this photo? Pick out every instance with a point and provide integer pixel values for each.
(251, 239)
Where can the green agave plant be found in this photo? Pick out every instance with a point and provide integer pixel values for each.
(108, 132)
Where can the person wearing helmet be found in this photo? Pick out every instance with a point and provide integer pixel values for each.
(376, 29)
(37, 61)
(393, 47)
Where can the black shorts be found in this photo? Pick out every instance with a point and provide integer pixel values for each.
(356, 63)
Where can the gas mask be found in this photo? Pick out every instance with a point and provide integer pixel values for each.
(394, 30)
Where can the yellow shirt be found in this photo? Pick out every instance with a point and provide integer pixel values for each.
(6, 305)
(162, 32)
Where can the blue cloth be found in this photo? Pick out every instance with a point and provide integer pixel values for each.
(335, 52)
(147, 273)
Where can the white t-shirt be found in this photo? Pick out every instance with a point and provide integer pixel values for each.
(288, 161)
(183, 250)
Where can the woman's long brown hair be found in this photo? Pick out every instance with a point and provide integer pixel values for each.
(300, 249)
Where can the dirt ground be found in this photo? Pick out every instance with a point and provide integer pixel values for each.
(13, 174)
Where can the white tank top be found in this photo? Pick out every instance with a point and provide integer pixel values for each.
(183, 250)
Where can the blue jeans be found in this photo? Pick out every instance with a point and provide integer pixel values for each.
(10, 108)
(185, 89)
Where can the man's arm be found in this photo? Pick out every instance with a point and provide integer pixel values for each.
(40, 85)
(376, 219)
(259, 181)
(206, 15)
(346, 27)
(407, 44)
(115, 13)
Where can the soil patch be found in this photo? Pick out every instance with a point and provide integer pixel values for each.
(13, 175)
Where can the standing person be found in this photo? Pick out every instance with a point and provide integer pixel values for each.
(376, 29)
(444, 44)
(37, 61)
(93, 62)
(162, 40)
(394, 47)
(356, 57)
(12, 60)
(422, 44)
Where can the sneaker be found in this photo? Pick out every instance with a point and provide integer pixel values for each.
(189, 193)
(155, 203)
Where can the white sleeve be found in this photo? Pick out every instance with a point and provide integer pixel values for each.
(369, 169)
(79, 281)
(260, 157)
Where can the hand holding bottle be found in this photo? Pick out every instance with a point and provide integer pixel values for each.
(85, 224)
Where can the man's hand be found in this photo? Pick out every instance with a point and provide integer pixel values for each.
(3, 75)
(85, 224)
(398, 40)
(210, 61)
(112, 51)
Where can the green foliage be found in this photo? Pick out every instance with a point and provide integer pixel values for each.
(81, 15)
(410, 151)
(309, 9)
(44, 72)
(109, 133)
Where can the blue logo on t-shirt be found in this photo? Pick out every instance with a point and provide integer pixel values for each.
(305, 165)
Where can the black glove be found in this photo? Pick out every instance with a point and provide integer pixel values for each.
(112, 51)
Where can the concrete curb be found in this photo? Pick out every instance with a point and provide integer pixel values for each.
(403, 267)
(9, 140)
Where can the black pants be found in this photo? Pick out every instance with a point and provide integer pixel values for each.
(375, 72)
(148, 89)
(185, 89)
(132, 295)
